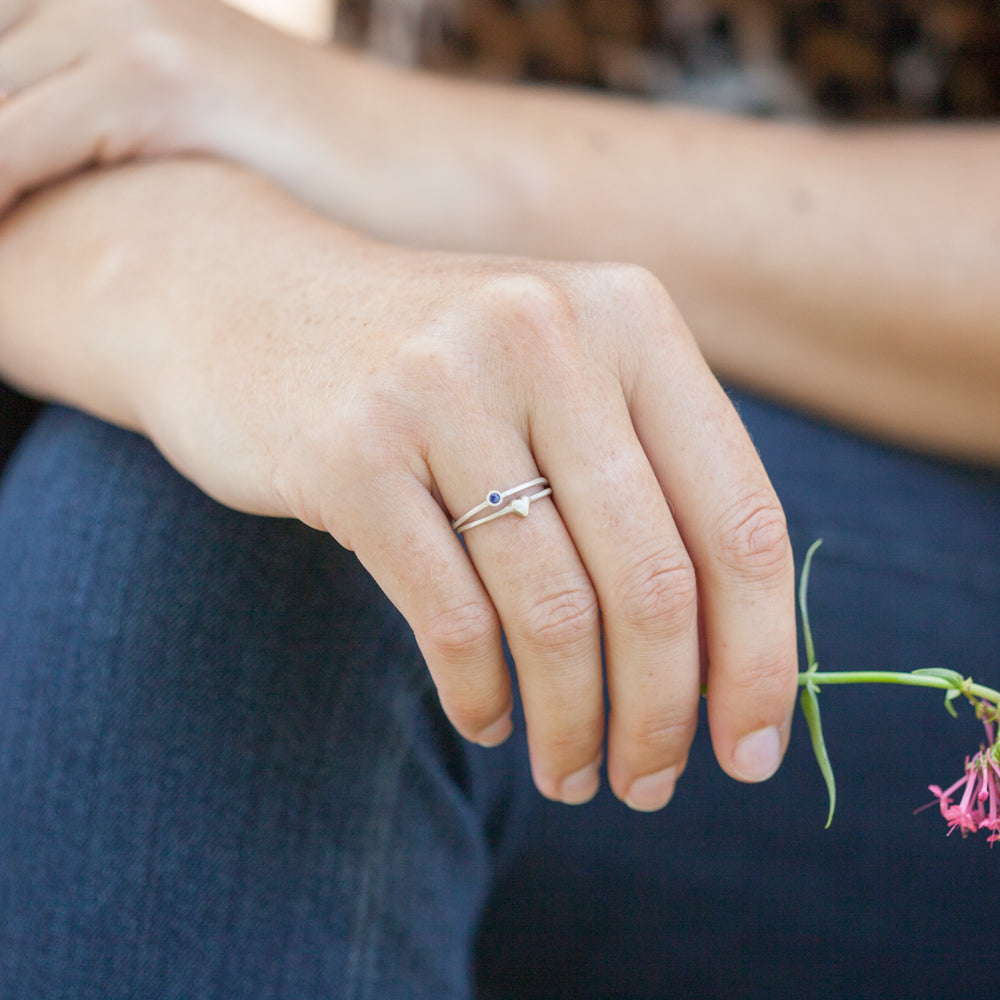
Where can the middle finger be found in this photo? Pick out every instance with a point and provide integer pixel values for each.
(623, 529)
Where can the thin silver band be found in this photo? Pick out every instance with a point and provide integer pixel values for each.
(494, 502)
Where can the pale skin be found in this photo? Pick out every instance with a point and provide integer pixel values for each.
(858, 265)
(300, 369)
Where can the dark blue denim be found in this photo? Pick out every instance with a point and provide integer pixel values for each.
(224, 774)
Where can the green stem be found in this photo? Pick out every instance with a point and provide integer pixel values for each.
(892, 677)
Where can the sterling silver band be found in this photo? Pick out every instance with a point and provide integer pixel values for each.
(494, 502)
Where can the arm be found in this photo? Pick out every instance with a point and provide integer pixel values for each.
(852, 272)
(291, 367)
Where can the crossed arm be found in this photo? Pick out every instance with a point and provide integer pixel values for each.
(849, 271)
(376, 385)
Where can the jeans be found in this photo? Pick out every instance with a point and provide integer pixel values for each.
(224, 772)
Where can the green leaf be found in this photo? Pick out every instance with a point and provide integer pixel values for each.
(953, 677)
(949, 697)
(810, 709)
(804, 608)
(943, 673)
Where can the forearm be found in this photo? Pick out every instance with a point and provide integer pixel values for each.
(110, 281)
(853, 272)
(291, 368)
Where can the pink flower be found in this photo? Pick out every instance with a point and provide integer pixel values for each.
(980, 802)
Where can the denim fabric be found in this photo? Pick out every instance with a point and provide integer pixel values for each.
(224, 774)
(737, 891)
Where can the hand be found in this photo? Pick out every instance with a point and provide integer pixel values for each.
(292, 368)
(87, 82)
(378, 394)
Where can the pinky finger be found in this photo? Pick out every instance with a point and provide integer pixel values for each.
(424, 570)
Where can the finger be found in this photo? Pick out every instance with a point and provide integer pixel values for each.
(45, 134)
(546, 604)
(405, 541)
(58, 127)
(623, 529)
(11, 12)
(733, 527)
(37, 47)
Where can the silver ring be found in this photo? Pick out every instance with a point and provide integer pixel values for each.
(494, 502)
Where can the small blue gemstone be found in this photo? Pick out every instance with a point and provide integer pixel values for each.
(494, 498)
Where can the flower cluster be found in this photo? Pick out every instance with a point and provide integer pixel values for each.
(979, 806)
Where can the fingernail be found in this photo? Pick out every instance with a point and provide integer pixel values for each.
(582, 786)
(495, 733)
(758, 755)
(653, 791)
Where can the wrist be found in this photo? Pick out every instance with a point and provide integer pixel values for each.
(409, 157)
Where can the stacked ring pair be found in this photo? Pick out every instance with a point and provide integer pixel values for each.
(518, 501)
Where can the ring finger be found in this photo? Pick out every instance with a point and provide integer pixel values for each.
(546, 604)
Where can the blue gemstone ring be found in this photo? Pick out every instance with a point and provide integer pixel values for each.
(518, 499)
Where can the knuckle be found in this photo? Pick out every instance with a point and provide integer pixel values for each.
(765, 673)
(566, 754)
(660, 590)
(639, 281)
(148, 114)
(153, 54)
(436, 366)
(571, 743)
(564, 616)
(642, 293)
(535, 310)
(146, 49)
(764, 680)
(531, 295)
(460, 633)
(468, 712)
(655, 731)
(456, 640)
(751, 539)
(374, 433)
